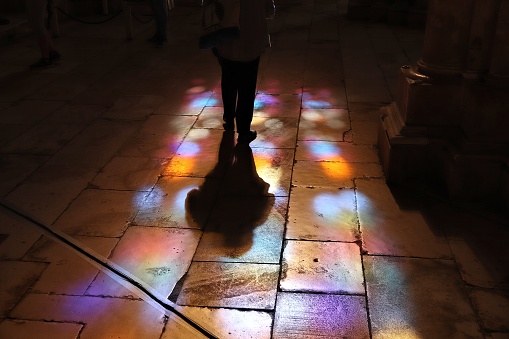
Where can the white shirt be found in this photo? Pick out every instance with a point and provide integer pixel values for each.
(253, 31)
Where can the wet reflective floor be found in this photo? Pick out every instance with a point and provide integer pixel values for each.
(121, 150)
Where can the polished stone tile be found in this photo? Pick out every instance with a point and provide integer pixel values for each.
(388, 229)
(224, 323)
(49, 191)
(29, 111)
(406, 300)
(178, 202)
(103, 317)
(244, 230)
(325, 214)
(203, 153)
(130, 173)
(322, 267)
(95, 145)
(18, 236)
(274, 132)
(99, 213)
(158, 137)
(333, 173)
(277, 106)
(323, 124)
(492, 307)
(44, 139)
(16, 279)
(335, 151)
(322, 97)
(232, 285)
(39, 329)
(365, 133)
(274, 166)
(16, 168)
(133, 107)
(300, 315)
(67, 272)
(157, 256)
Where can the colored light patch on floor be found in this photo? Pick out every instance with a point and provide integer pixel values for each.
(336, 169)
(301, 315)
(264, 100)
(322, 213)
(324, 150)
(274, 166)
(157, 256)
(322, 267)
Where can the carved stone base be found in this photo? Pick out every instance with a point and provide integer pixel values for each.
(443, 156)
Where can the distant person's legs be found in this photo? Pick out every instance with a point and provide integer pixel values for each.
(37, 11)
(160, 10)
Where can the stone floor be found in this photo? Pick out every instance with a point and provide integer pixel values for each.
(150, 207)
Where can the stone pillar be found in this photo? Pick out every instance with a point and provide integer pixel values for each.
(446, 37)
(449, 122)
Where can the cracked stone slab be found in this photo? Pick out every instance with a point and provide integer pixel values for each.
(235, 234)
(335, 151)
(16, 278)
(232, 285)
(224, 323)
(300, 315)
(333, 173)
(103, 317)
(322, 267)
(323, 124)
(130, 173)
(274, 166)
(274, 132)
(99, 213)
(493, 308)
(405, 300)
(39, 329)
(318, 213)
(178, 202)
(18, 237)
(391, 230)
(157, 256)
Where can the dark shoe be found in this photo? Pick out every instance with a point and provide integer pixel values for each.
(229, 126)
(42, 64)
(161, 43)
(246, 137)
(54, 56)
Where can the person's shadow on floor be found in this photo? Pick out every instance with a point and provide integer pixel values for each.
(236, 197)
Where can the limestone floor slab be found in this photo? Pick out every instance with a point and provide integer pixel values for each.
(39, 329)
(335, 151)
(157, 256)
(67, 272)
(274, 166)
(50, 190)
(130, 173)
(17, 236)
(325, 214)
(389, 229)
(200, 154)
(306, 316)
(134, 107)
(178, 202)
(492, 307)
(16, 279)
(272, 105)
(333, 173)
(322, 97)
(236, 234)
(231, 285)
(29, 111)
(16, 168)
(405, 300)
(224, 323)
(102, 317)
(186, 99)
(322, 267)
(323, 124)
(158, 137)
(274, 132)
(210, 117)
(99, 213)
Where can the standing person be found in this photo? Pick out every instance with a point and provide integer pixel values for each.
(239, 60)
(39, 17)
(160, 10)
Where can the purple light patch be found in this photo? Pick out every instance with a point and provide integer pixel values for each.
(189, 149)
